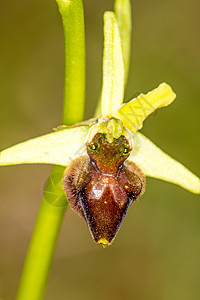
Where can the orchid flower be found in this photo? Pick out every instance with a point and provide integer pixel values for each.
(106, 151)
(116, 119)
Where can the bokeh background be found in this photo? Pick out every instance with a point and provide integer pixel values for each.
(156, 254)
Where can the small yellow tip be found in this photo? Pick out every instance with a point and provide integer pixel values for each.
(103, 242)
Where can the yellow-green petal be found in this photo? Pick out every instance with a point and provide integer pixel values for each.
(137, 110)
(113, 68)
(57, 148)
(155, 163)
(123, 15)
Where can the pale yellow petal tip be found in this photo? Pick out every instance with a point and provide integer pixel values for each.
(133, 113)
(103, 242)
(165, 91)
(108, 14)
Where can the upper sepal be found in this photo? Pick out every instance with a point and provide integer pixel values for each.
(113, 68)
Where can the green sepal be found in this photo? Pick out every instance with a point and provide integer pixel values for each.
(56, 148)
(155, 163)
(113, 68)
(123, 15)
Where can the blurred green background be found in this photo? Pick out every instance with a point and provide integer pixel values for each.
(156, 254)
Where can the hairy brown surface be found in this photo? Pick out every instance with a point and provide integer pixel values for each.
(101, 187)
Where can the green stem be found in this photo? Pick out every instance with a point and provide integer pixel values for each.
(54, 202)
(74, 90)
(41, 251)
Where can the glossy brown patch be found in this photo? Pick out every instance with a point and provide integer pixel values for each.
(101, 187)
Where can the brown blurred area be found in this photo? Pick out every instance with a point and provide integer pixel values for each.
(156, 255)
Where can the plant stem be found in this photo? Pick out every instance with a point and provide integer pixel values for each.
(74, 37)
(41, 251)
(54, 202)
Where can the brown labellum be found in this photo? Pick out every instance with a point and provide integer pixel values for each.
(101, 186)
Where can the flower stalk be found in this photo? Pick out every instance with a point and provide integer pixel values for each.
(41, 249)
(54, 202)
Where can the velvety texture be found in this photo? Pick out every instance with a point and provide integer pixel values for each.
(102, 186)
